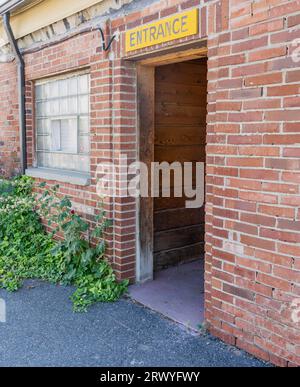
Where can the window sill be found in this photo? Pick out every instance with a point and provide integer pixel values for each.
(63, 176)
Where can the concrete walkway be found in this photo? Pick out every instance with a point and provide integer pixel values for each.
(42, 330)
(176, 292)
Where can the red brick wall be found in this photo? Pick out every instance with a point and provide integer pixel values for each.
(76, 53)
(253, 221)
(253, 148)
(9, 121)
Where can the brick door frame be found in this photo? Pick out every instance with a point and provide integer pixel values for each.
(145, 100)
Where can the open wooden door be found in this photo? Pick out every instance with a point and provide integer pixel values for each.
(180, 136)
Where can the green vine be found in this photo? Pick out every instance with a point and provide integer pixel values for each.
(27, 251)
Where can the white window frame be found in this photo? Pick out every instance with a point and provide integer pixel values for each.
(75, 117)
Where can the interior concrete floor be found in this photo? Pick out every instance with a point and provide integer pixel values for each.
(176, 292)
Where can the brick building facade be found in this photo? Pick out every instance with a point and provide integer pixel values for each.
(252, 215)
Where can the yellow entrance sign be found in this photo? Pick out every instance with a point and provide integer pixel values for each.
(175, 27)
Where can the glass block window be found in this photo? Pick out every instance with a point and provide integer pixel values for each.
(62, 123)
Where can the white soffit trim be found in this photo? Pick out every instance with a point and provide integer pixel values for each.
(40, 14)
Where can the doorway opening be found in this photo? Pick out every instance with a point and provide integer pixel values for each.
(172, 100)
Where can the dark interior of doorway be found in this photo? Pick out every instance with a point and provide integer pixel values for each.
(180, 135)
(180, 121)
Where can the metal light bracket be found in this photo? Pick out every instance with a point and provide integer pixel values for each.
(105, 46)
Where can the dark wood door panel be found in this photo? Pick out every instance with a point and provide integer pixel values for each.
(180, 135)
